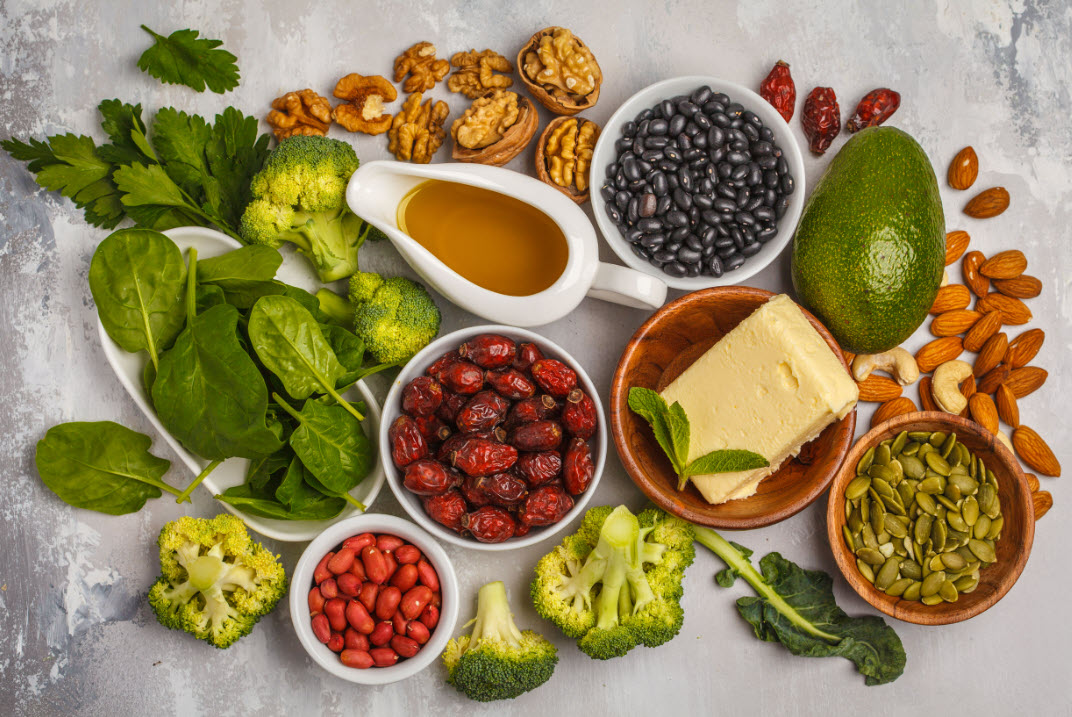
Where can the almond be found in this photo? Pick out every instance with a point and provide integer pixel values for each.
(889, 409)
(991, 354)
(956, 243)
(967, 390)
(982, 330)
(1032, 482)
(1020, 287)
(1041, 502)
(1004, 265)
(926, 398)
(988, 203)
(978, 283)
(993, 378)
(1034, 452)
(1025, 381)
(1008, 410)
(878, 389)
(951, 298)
(984, 412)
(963, 169)
(937, 352)
(1024, 347)
(1013, 311)
(955, 322)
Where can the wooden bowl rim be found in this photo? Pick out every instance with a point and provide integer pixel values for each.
(913, 611)
(513, 143)
(544, 97)
(541, 169)
(618, 404)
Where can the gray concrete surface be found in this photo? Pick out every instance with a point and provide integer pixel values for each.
(77, 634)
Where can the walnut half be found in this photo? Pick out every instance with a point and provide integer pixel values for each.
(474, 73)
(299, 113)
(560, 71)
(363, 111)
(564, 155)
(420, 63)
(495, 128)
(417, 130)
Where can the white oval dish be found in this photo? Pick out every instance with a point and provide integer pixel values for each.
(416, 367)
(128, 369)
(605, 153)
(302, 582)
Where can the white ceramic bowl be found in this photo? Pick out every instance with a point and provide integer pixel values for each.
(605, 154)
(392, 409)
(302, 582)
(128, 368)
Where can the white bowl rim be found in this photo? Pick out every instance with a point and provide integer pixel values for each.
(416, 366)
(648, 96)
(301, 584)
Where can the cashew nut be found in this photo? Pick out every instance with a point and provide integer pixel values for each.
(945, 385)
(945, 279)
(897, 362)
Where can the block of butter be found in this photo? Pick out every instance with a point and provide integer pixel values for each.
(769, 386)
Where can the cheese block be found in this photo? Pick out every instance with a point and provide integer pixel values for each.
(769, 386)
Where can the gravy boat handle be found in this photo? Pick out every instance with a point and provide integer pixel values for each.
(629, 287)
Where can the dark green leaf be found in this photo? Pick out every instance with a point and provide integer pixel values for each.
(293, 480)
(234, 155)
(179, 140)
(148, 185)
(241, 272)
(725, 461)
(729, 575)
(679, 432)
(350, 351)
(332, 446)
(650, 406)
(244, 499)
(209, 296)
(182, 58)
(123, 125)
(262, 469)
(289, 343)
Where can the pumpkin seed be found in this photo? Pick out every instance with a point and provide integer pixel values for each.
(930, 486)
(986, 497)
(992, 479)
(953, 561)
(970, 510)
(894, 526)
(897, 587)
(937, 464)
(887, 574)
(865, 570)
(900, 549)
(948, 445)
(871, 556)
(912, 592)
(906, 492)
(847, 535)
(964, 483)
(963, 454)
(995, 527)
(932, 583)
(949, 505)
(911, 569)
(966, 583)
(865, 462)
(948, 591)
(919, 435)
(857, 487)
(880, 480)
(913, 467)
(910, 450)
(855, 522)
(982, 550)
(952, 492)
(922, 528)
(936, 563)
(931, 599)
(924, 449)
(899, 443)
(897, 471)
(878, 518)
(956, 522)
(939, 533)
(886, 549)
(936, 439)
(893, 504)
(882, 455)
(926, 503)
(869, 537)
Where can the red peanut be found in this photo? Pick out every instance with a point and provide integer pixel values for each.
(329, 588)
(391, 563)
(321, 627)
(407, 554)
(359, 617)
(427, 574)
(316, 601)
(430, 617)
(388, 543)
(341, 561)
(418, 632)
(335, 609)
(387, 602)
(382, 633)
(354, 640)
(400, 622)
(375, 565)
(405, 646)
(360, 659)
(358, 542)
(367, 596)
(383, 656)
(321, 573)
(405, 577)
(414, 601)
(348, 584)
(336, 642)
(358, 570)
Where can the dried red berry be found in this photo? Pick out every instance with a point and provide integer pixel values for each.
(503, 489)
(446, 509)
(428, 477)
(511, 383)
(532, 409)
(537, 436)
(539, 468)
(433, 429)
(821, 119)
(473, 492)
(554, 377)
(407, 443)
(483, 412)
(527, 354)
(490, 524)
(452, 403)
(462, 377)
(579, 416)
(521, 530)
(545, 506)
(489, 350)
(481, 457)
(441, 363)
(422, 396)
(874, 109)
(577, 468)
(778, 89)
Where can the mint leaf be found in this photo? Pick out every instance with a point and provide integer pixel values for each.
(182, 58)
(679, 432)
(725, 461)
(650, 406)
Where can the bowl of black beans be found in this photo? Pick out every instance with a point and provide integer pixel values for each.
(701, 182)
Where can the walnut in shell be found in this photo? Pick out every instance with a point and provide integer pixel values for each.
(560, 71)
(495, 128)
(564, 155)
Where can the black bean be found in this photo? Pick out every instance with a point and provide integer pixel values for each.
(771, 180)
(721, 119)
(652, 155)
(766, 234)
(733, 262)
(694, 242)
(701, 94)
(726, 191)
(666, 165)
(763, 214)
(672, 179)
(767, 163)
(736, 122)
(761, 149)
(658, 184)
(745, 218)
(672, 246)
(725, 169)
(607, 192)
(685, 178)
(652, 241)
(787, 184)
(707, 184)
(716, 136)
(737, 145)
(700, 140)
(629, 128)
(722, 229)
(769, 197)
(723, 242)
(612, 169)
(646, 114)
(640, 251)
(694, 153)
(727, 252)
(679, 235)
(738, 236)
(687, 108)
(734, 109)
(766, 133)
(650, 224)
(657, 127)
(647, 204)
(613, 213)
(724, 204)
(622, 144)
(644, 166)
(688, 256)
(708, 236)
(691, 129)
(672, 154)
(711, 217)
(708, 252)
(753, 203)
(663, 255)
(633, 214)
(638, 145)
(630, 169)
(663, 205)
(750, 132)
(783, 166)
(703, 201)
(622, 200)
(701, 121)
(674, 268)
(712, 106)
(656, 142)
(666, 109)
(751, 249)
(755, 175)
(683, 199)
(677, 218)
(740, 174)
(633, 235)
(638, 186)
(781, 206)
(742, 197)
(694, 216)
(675, 125)
(714, 267)
(736, 158)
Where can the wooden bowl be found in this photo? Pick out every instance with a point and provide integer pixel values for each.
(568, 106)
(542, 170)
(659, 352)
(514, 140)
(1012, 548)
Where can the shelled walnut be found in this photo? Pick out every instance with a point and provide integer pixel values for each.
(564, 155)
(495, 128)
(474, 73)
(560, 71)
(417, 130)
(365, 96)
(299, 113)
(420, 63)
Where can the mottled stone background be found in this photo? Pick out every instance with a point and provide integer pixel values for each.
(77, 634)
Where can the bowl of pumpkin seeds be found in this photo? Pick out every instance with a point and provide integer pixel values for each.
(930, 518)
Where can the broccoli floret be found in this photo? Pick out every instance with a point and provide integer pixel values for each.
(498, 661)
(336, 308)
(300, 197)
(216, 583)
(616, 583)
(394, 316)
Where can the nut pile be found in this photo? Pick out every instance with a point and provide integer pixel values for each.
(494, 439)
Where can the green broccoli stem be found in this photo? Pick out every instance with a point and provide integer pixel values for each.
(336, 307)
(493, 618)
(625, 588)
(185, 495)
(733, 558)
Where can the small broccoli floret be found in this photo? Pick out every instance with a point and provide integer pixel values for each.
(498, 661)
(216, 583)
(300, 197)
(616, 583)
(395, 317)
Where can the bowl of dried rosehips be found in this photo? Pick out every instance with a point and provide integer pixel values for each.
(493, 438)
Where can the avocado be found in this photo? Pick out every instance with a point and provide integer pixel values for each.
(869, 251)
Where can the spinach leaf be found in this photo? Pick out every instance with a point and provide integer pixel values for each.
(101, 466)
(241, 496)
(796, 607)
(288, 341)
(261, 470)
(256, 262)
(350, 351)
(209, 393)
(293, 480)
(209, 296)
(137, 278)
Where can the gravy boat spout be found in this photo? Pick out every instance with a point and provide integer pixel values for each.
(377, 188)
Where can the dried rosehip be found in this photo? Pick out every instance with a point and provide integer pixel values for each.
(407, 443)
(554, 377)
(579, 416)
(539, 468)
(446, 509)
(441, 363)
(481, 457)
(422, 396)
(527, 354)
(489, 350)
(490, 524)
(483, 412)
(452, 403)
(577, 469)
(473, 492)
(427, 477)
(874, 109)
(821, 119)
(433, 430)
(455, 442)
(462, 377)
(522, 530)
(503, 489)
(778, 89)
(532, 409)
(537, 436)
(545, 506)
(511, 383)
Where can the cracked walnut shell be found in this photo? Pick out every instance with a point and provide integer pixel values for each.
(560, 71)
(564, 155)
(299, 113)
(474, 73)
(420, 63)
(417, 130)
(498, 126)
(365, 95)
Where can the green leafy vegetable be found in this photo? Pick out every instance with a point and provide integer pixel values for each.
(248, 263)
(183, 58)
(671, 428)
(101, 466)
(241, 496)
(796, 607)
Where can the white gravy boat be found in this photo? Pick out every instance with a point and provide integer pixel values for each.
(376, 189)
